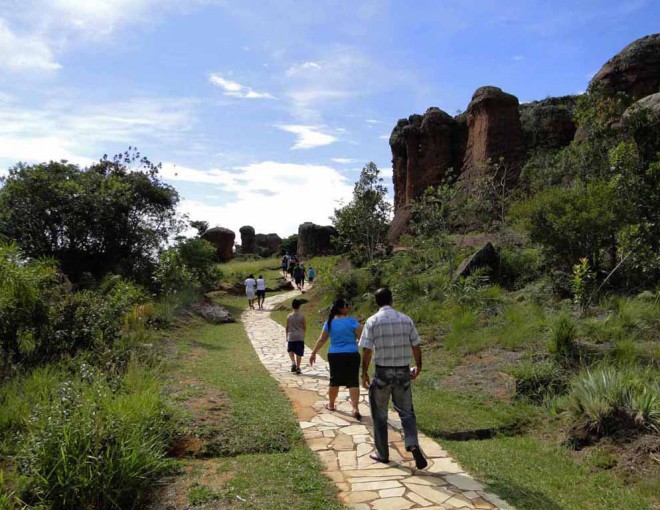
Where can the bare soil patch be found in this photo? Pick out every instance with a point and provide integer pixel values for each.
(303, 402)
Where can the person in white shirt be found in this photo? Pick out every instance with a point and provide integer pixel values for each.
(250, 285)
(261, 291)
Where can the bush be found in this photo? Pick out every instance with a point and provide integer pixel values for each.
(539, 380)
(172, 275)
(562, 339)
(198, 255)
(611, 402)
(98, 444)
(519, 266)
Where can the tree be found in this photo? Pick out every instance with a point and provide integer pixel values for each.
(201, 226)
(363, 223)
(110, 217)
(289, 245)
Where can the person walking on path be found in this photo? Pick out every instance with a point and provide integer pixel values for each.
(298, 273)
(261, 291)
(285, 264)
(311, 274)
(343, 354)
(250, 284)
(296, 327)
(391, 337)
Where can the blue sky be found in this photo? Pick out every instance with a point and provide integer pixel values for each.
(264, 112)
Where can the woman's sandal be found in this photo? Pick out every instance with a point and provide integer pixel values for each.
(357, 415)
(327, 406)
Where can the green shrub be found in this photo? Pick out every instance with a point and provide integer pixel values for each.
(539, 380)
(562, 339)
(98, 444)
(172, 275)
(198, 255)
(520, 266)
(612, 402)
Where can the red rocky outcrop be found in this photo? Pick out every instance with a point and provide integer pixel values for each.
(315, 240)
(248, 239)
(494, 133)
(223, 240)
(635, 70)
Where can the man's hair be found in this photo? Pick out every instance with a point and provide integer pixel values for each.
(296, 303)
(383, 296)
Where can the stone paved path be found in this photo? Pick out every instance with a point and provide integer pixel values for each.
(344, 444)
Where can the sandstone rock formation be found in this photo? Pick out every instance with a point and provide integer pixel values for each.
(315, 239)
(248, 241)
(213, 312)
(223, 240)
(486, 256)
(548, 124)
(494, 133)
(646, 134)
(273, 243)
(635, 70)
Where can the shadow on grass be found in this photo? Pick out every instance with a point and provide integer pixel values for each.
(523, 498)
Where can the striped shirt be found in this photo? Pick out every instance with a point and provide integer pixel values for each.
(390, 334)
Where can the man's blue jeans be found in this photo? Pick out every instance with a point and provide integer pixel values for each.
(394, 382)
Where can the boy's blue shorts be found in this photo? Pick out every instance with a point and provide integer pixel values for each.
(297, 347)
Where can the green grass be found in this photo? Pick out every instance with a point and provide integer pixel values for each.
(238, 270)
(534, 475)
(259, 438)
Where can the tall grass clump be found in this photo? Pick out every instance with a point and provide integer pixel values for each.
(539, 381)
(99, 443)
(607, 401)
(562, 342)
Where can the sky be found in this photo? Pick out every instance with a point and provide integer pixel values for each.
(263, 112)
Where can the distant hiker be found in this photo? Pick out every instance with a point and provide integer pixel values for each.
(261, 291)
(250, 284)
(298, 273)
(393, 337)
(302, 276)
(311, 274)
(296, 327)
(292, 264)
(284, 265)
(343, 355)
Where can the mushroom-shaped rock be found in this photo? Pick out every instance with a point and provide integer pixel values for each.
(315, 239)
(248, 241)
(274, 243)
(223, 240)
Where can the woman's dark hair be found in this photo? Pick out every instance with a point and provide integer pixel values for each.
(336, 306)
(251, 276)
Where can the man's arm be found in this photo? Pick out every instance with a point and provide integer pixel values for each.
(417, 354)
(366, 360)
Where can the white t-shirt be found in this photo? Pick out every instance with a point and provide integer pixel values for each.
(249, 284)
(261, 284)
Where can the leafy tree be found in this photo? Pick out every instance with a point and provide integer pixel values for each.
(110, 217)
(572, 223)
(289, 245)
(201, 226)
(363, 223)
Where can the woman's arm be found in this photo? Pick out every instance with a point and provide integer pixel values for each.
(358, 333)
(319, 343)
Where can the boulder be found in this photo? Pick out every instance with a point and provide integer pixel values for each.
(223, 240)
(635, 70)
(399, 224)
(212, 312)
(248, 241)
(274, 243)
(494, 132)
(315, 240)
(547, 124)
(486, 256)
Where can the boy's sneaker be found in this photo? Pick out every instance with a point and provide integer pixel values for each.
(420, 461)
(298, 370)
(293, 367)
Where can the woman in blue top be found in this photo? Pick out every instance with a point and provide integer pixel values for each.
(343, 355)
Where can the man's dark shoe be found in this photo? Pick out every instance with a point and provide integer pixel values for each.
(293, 367)
(420, 460)
(374, 456)
(298, 371)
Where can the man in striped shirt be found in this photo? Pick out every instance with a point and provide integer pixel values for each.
(390, 337)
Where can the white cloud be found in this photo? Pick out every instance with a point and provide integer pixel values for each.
(384, 137)
(25, 52)
(258, 187)
(304, 67)
(343, 161)
(308, 137)
(518, 58)
(235, 89)
(373, 121)
(77, 132)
